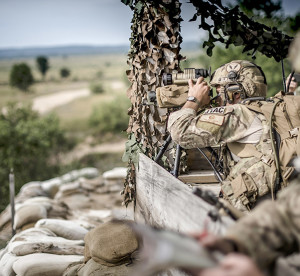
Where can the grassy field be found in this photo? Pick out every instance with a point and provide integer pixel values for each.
(109, 70)
(106, 70)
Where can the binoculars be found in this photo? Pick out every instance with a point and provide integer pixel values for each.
(183, 77)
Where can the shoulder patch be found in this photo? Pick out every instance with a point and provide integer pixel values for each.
(213, 119)
(218, 110)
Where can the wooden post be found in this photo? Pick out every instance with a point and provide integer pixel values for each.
(12, 200)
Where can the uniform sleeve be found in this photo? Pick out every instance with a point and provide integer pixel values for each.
(215, 125)
(271, 230)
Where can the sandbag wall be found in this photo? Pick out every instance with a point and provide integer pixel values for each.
(63, 227)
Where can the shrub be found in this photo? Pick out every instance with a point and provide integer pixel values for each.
(112, 116)
(96, 88)
(43, 65)
(27, 142)
(21, 76)
(65, 72)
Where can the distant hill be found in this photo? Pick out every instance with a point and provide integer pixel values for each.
(71, 50)
(61, 51)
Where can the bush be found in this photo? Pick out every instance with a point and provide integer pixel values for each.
(27, 142)
(65, 72)
(43, 65)
(96, 88)
(21, 76)
(112, 116)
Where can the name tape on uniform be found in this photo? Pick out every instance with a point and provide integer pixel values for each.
(218, 110)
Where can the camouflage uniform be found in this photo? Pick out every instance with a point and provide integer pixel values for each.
(251, 176)
(271, 230)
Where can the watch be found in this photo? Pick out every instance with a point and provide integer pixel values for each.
(193, 99)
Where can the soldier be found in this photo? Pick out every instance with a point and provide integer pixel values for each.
(249, 164)
(267, 233)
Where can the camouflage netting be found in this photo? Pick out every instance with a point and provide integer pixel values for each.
(231, 26)
(155, 46)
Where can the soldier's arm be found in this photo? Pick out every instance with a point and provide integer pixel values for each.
(215, 125)
(271, 230)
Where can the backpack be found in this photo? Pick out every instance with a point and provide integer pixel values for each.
(283, 114)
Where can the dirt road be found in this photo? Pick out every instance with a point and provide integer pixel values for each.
(44, 104)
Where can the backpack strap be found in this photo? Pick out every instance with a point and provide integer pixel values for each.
(248, 150)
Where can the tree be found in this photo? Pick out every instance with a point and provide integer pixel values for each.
(270, 12)
(43, 65)
(27, 141)
(266, 8)
(65, 72)
(21, 76)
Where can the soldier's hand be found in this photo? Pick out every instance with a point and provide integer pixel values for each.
(213, 242)
(200, 90)
(234, 265)
(293, 84)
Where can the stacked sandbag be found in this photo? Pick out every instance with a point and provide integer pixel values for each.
(63, 228)
(110, 244)
(44, 264)
(77, 194)
(52, 219)
(28, 214)
(27, 251)
(94, 268)
(108, 250)
(51, 186)
(114, 179)
(34, 209)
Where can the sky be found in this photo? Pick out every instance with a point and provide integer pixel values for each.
(35, 23)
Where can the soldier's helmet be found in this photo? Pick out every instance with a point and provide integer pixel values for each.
(240, 76)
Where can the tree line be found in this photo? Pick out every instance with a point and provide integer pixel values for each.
(21, 75)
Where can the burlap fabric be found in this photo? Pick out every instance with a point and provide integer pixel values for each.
(110, 244)
(92, 268)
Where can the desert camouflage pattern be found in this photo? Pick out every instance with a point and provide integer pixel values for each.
(248, 75)
(272, 229)
(213, 127)
(251, 176)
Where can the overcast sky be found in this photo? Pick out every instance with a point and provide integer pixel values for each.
(26, 23)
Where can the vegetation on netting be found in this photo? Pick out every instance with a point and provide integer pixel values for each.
(27, 143)
(233, 27)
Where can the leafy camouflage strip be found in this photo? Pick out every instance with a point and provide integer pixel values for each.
(155, 45)
(231, 26)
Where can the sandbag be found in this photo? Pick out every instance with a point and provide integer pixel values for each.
(92, 268)
(44, 264)
(6, 264)
(63, 228)
(44, 239)
(110, 244)
(45, 246)
(29, 213)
